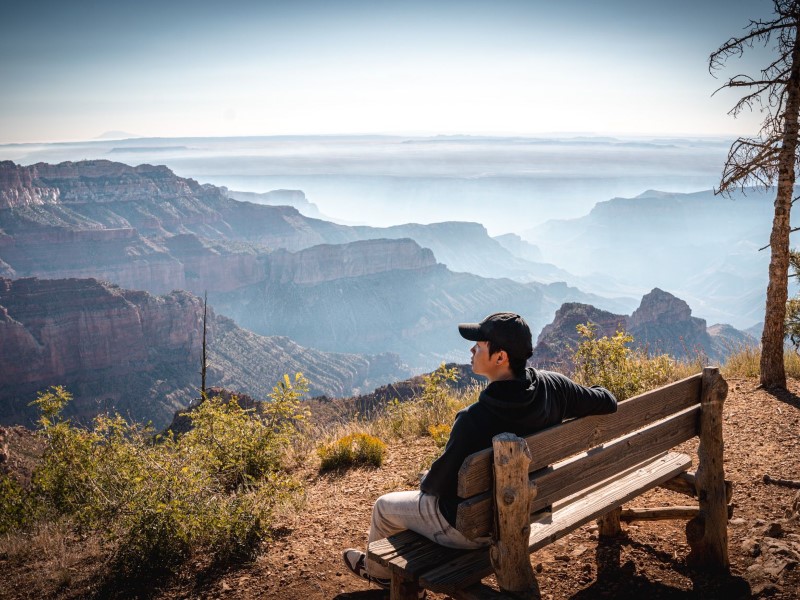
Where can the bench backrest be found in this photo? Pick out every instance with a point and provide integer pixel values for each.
(576, 454)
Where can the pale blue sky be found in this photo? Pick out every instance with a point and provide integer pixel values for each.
(74, 70)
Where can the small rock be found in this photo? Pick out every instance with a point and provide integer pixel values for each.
(539, 567)
(562, 557)
(579, 550)
(763, 590)
(793, 512)
(737, 521)
(774, 530)
(225, 587)
(774, 566)
(751, 546)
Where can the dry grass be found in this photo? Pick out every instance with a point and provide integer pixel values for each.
(50, 546)
(745, 362)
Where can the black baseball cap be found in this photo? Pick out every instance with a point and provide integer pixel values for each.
(506, 331)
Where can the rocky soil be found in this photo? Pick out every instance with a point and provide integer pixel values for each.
(302, 562)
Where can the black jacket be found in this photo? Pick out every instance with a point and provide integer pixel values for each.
(519, 406)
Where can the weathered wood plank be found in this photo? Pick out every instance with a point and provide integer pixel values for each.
(707, 533)
(579, 435)
(509, 551)
(474, 517)
(473, 566)
(686, 484)
(663, 513)
(410, 552)
(403, 587)
(608, 524)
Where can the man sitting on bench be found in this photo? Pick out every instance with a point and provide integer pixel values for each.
(517, 399)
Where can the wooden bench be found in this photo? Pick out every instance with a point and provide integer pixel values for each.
(527, 493)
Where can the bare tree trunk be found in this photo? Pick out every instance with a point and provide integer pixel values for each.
(772, 370)
(204, 365)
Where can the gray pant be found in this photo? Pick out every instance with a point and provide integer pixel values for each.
(417, 511)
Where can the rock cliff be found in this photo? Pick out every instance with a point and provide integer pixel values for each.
(277, 272)
(662, 324)
(559, 339)
(107, 345)
(18, 187)
(52, 216)
(139, 354)
(358, 259)
(294, 198)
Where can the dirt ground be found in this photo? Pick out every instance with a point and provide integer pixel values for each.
(303, 561)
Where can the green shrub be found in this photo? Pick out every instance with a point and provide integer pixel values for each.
(609, 362)
(351, 450)
(16, 508)
(214, 487)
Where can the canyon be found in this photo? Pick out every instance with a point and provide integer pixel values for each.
(103, 264)
(130, 352)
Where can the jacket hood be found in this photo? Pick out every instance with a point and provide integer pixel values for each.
(519, 397)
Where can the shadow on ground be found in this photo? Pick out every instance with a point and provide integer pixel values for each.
(784, 396)
(374, 594)
(621, 580)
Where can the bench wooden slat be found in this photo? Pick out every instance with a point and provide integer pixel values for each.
(410, 552)
(550, 445)
(472, 566)
(413, 552)
(474, 517)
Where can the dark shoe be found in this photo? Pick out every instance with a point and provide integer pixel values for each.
(356, 561)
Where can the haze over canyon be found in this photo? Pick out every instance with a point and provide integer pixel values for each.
(294, 284)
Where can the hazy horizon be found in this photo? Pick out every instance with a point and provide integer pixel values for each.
(506, 184)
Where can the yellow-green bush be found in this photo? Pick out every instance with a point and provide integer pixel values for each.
(437, 399)
(213, 488)
(611, 363)
(436, 404)
(351, 450)
(440, 434)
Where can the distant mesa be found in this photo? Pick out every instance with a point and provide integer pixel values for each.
(295, 198)
(148, 149)
(519, 247)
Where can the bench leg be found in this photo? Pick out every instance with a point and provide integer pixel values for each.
(509, 552)
(608, 525)
(403, 588)
(707, 533)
